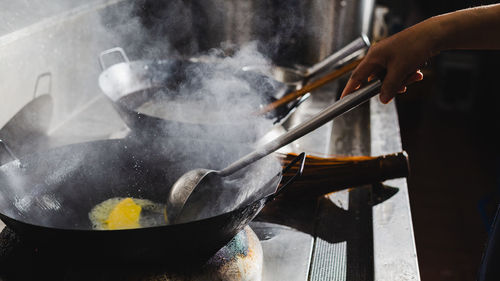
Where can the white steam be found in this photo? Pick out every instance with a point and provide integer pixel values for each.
(221, 106)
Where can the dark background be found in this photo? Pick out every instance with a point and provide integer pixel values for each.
(449, 126)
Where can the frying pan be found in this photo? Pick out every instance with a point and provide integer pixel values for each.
(132, 84)
(45, 198)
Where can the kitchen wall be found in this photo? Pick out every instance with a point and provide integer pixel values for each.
(65, 43)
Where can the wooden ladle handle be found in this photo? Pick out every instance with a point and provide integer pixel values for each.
(325, 175)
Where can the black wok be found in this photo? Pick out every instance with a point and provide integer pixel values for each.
(45, 198)
(132, 84)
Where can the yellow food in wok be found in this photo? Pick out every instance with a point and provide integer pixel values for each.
(126, 213)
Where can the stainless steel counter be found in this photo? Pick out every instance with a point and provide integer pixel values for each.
(394, 241)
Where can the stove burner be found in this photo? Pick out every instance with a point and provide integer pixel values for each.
(240, 259)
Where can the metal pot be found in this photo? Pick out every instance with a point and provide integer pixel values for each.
(132, 84)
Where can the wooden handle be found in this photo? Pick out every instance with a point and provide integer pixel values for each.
(325, 175)
(312, 86)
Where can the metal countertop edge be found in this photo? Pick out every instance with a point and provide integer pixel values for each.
(394, 241)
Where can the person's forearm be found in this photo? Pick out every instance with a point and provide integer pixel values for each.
(473, 28)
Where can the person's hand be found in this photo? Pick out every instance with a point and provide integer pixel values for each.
(397, 59)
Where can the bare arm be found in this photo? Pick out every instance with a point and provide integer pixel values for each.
(474, 28)
(401, 55)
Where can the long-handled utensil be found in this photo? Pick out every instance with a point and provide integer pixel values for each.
(188, 182)
(309, 87)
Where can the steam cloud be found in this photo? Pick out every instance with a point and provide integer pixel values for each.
(223, 95)
(214, 95)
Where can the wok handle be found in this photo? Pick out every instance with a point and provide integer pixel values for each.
(118, 50)
(311, 86)
(9, 151)
(298, 162)
(325, 175)
(37, 83)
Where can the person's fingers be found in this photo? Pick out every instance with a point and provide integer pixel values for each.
(420, 74)
(351, 86)
(414, 77)
(371, 77)
(359, 76)
(392, 84)
(387, 96)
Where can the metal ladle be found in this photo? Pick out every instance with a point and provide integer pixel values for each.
(188, 182)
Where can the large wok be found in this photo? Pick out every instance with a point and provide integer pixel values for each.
(46, 197)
